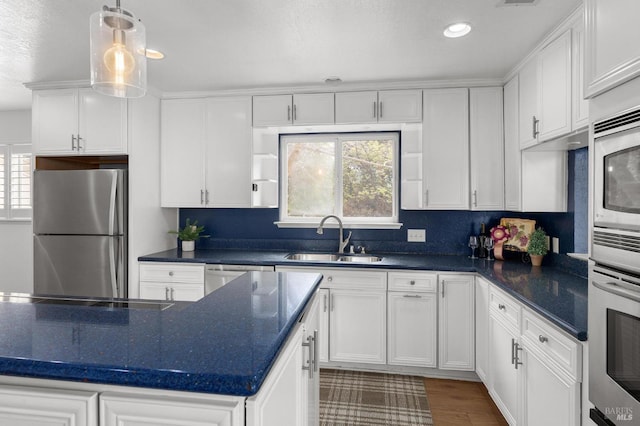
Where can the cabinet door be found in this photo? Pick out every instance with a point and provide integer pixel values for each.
(356, 107)
(412, 329)
(272, 110)
(512, 156)
(580, 106)
(611, 56)
(25, 406)
(554, 102)
(102, 123)
(503, 379)
(358, 326)
(400, 106)
(456, 333)
(311, 376)
(317, 108)
(228, 152)
(183, 137)
(482, 329)
(55, 121)
(280, 399)
(445, 132)
(549, 396)
(528, 103)
(137, 410)
(323, 335)
(487, 148)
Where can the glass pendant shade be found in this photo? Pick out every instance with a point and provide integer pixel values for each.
(118, 54)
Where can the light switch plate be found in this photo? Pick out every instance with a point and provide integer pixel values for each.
(416, 235)
(555, 243)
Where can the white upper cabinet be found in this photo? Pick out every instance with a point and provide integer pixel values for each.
(487, 148)
(612, 53)
(78, 121)
(528, 103)
(206, 152)
(356, 107)
(580, 105)
(387, 106)
(554, 88)
(400, 106)
(445, 133)
(299, 109)
(512, 154)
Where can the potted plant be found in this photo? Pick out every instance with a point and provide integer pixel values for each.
(189, 234)
(537, 247)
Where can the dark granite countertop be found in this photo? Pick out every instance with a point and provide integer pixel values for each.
(559, 296)
(224, 343)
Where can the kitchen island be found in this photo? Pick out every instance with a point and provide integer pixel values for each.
(219, 354)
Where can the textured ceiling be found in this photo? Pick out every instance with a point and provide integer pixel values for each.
(231, 44)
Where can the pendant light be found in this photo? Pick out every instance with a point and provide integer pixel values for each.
(118, 53)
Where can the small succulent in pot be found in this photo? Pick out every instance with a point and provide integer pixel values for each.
(537, 247)
(190, 232)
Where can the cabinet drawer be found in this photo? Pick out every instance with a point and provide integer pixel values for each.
(168, 291)
(171, 272)
(411, 281)
(339, 278)
(562, 349)
(504, 307)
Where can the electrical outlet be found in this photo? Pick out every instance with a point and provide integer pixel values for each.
(555, 243)
(417, 235)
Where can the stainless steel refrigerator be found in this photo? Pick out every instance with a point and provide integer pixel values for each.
(80, 232)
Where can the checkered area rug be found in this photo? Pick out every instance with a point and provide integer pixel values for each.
(369, 399)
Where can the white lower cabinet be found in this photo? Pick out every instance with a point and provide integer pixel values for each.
(323, 338)
(482, 328)
(118, 409)
(535, 370)
(412, 318)
(30, 406)
(171, 281)
(456, 325)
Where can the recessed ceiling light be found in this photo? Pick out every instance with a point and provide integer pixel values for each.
(154, 54)
(458, 29)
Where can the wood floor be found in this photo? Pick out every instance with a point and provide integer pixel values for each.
(459, 403)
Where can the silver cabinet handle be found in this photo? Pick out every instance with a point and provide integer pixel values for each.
(166, 293)
(331, 303)
(475, 198)
(536, 122)
(502, 307)
(202, 196)
(254, 187)
(517, 349)
(375, 110)
(311, 362)
(426, 198)
(170, 273)
(206, 196)
(79, 139)
(316, 344)
(412, 282)
(288, 113)
(295, 115)
(380, 109)
(413, 296)
(329, 278)
(513, 351)
(543, 339)
(73, 142)
(325, 302)
(172, 290)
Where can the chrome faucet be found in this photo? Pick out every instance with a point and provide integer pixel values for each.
(342, 242)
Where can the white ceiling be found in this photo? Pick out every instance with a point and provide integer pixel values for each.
(233, 44)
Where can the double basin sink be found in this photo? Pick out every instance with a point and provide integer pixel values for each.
(331, 257)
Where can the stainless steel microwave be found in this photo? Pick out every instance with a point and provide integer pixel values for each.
(616, 208)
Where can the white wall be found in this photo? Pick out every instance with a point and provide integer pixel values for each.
(16, 238)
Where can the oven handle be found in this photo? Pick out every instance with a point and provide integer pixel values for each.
(612, 287)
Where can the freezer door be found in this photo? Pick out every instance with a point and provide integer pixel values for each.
(77, 265)
(79, 202)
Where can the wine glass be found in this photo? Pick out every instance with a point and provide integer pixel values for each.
(489, 244)
(473, 244)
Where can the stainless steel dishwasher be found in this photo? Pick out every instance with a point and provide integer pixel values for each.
(217, 275)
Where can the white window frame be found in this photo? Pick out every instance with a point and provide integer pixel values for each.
(349, 222)
(8, 213)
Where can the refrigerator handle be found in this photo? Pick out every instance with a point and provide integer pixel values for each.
(115, 260)
(113, 206)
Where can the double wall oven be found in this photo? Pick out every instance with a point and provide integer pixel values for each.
(614, 280)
